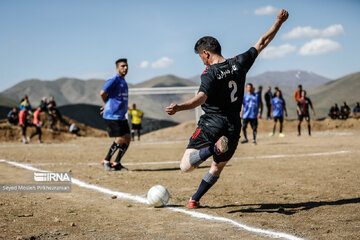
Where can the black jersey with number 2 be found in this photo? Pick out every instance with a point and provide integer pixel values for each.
(223, 83)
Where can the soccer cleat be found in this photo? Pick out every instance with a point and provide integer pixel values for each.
(254, 141)
(118, 167)
(102, 162)
(244, 141)
(271, 134)
(281, 135)
(222, 145)
(193, 204)
(107, 167)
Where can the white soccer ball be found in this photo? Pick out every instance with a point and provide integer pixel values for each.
(158, 196)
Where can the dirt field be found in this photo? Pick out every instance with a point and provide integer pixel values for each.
(307, 187)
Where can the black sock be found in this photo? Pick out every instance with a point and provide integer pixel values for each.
(309, 129)
(132, 135)
(138, 133)
(281, 128)
(206, 183)
(112, 150)
(254, 134)
(121, 152)
(299, 129)
(245, 135)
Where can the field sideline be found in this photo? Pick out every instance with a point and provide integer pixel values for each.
(302, 187)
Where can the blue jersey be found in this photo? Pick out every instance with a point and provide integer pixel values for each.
(278, 105)
(117, 104)
(251, 105)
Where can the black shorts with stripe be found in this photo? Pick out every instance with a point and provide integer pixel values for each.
(302, 116)
(210, 128)
(117, 128)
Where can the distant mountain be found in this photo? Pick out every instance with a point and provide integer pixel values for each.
(343, 89)
(7, 102)
(286, 81)
(65, 90)
(75, 91)
(166, 81)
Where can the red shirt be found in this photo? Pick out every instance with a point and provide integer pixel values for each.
(36, 117)
(22, 117)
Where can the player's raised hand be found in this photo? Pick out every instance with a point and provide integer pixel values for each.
(283, 15)
(172, 109)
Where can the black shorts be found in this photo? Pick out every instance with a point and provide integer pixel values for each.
(253, 123)
(210, 128)
(117, 128)
(302, 116)
(281, 119)
(23, 129)
(136, 126)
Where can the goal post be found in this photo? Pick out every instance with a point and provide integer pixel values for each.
(168, 90)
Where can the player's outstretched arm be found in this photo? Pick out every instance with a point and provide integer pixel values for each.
(190, 104)
(270, 34)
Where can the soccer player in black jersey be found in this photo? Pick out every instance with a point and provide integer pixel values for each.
(220, 96)
(303, 111)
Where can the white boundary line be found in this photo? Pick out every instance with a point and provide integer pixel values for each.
(178, 162)
(143, 200)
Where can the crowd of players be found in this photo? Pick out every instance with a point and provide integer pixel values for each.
(27, 116)
(253, 107)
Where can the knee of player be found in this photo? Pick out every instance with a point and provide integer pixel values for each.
(185, 167)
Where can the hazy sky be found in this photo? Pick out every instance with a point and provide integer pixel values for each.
(52, 39)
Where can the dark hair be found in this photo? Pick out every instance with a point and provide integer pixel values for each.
(209, 44)
(304, 91)
(120, 60)
(250, 84)
(300, 86)
(280, 94)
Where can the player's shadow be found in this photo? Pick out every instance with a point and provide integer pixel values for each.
(163, 169)
(285, 208)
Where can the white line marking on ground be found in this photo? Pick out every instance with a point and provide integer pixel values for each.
(177, 162)
(143, 200)
(293, 155)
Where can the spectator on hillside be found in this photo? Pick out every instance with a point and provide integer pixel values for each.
(334, 112)
(52, 116)
(23, 115)
(13, 117)
(345, 111)
(43, 104)
(56, 115)
(275, 92)
(259, 93)
(356, 110)
(25, 103)
(74, 129)
(52, 100)
(268, 98)
(297, 93)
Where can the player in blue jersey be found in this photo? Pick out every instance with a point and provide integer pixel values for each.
(251, 110)
(115, 96)
(278, 107)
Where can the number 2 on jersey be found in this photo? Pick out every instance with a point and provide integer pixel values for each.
(232, 84)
